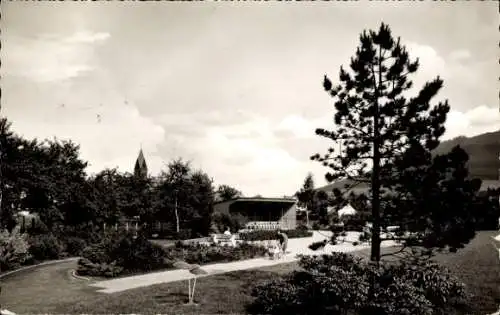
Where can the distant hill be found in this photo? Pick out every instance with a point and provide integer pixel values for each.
(483, 150)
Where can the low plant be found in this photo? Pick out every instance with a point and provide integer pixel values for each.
(199, 254)
(344, 284)
(14, 249)
(75, 245)
(265, 235)
(45, 247)
(88, 268)
(121, 254)
(317, 245)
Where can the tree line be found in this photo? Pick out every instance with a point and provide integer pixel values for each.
(48, 178)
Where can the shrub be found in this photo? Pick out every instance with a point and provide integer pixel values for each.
(183, 234)
(317, 245)
(124, 254)
(298, 233)
(316, 226)
(336, 228)
(302, 227)
(264, 235)
(14, 249)
(355, 222)
(45, 247)
(87, 268)
(199, 254)
(118, 254)
(234, 222)
(75, 245)
(344, 284)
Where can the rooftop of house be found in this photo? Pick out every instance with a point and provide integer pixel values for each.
(493, 184)
(260, 199)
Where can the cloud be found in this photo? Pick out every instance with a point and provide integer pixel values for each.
(86, 37)
(475, 121)
(109, 136)
(460, 55)
(50, 58)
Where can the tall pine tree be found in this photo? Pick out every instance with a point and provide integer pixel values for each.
(386, 135)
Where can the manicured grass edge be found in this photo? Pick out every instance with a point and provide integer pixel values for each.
(50, 262)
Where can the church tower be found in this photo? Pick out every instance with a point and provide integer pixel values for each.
(141, 169)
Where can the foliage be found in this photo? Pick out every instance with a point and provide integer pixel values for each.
(185, 197)
(45, 247)
(200, 254)
(355, 222)
(344, 284)
(88, 268)
(38, 175)
(234, 222)
(317, 245)
(263, 235)
(316, 226)
(487, 210)
(226, 192)
(75, 245)
(125, 252)
(483, 152)
(387, 139)
(14, 249)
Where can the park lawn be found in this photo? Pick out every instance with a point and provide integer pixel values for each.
(477, 266)
(219, 294)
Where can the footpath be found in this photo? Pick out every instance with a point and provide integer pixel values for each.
(295, 247)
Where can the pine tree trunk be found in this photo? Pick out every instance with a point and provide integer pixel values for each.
(375, 249)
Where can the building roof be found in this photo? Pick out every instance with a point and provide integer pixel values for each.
(493, 184)
(260, 199)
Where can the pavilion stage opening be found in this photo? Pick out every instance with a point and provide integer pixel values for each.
(262, 213)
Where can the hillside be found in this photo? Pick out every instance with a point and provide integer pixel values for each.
(483, 150)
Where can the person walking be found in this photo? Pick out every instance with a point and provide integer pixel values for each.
(283, 241)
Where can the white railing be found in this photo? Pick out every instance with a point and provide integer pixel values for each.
(263, 225)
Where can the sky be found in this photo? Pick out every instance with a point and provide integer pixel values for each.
(233, 87)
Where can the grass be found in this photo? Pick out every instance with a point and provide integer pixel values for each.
(51, 290)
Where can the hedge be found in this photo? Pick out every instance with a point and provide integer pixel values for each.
(263, 235)
(119, 255)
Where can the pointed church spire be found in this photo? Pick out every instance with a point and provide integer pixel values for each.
(141, 169)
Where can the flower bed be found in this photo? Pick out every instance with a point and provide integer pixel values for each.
(263, 235)
(122, 255)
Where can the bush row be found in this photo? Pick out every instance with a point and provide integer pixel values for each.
(343, 284)
(18, 249)
(262, 235)
(125, 254)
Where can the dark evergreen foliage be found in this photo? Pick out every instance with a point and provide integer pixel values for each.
(387, 137)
